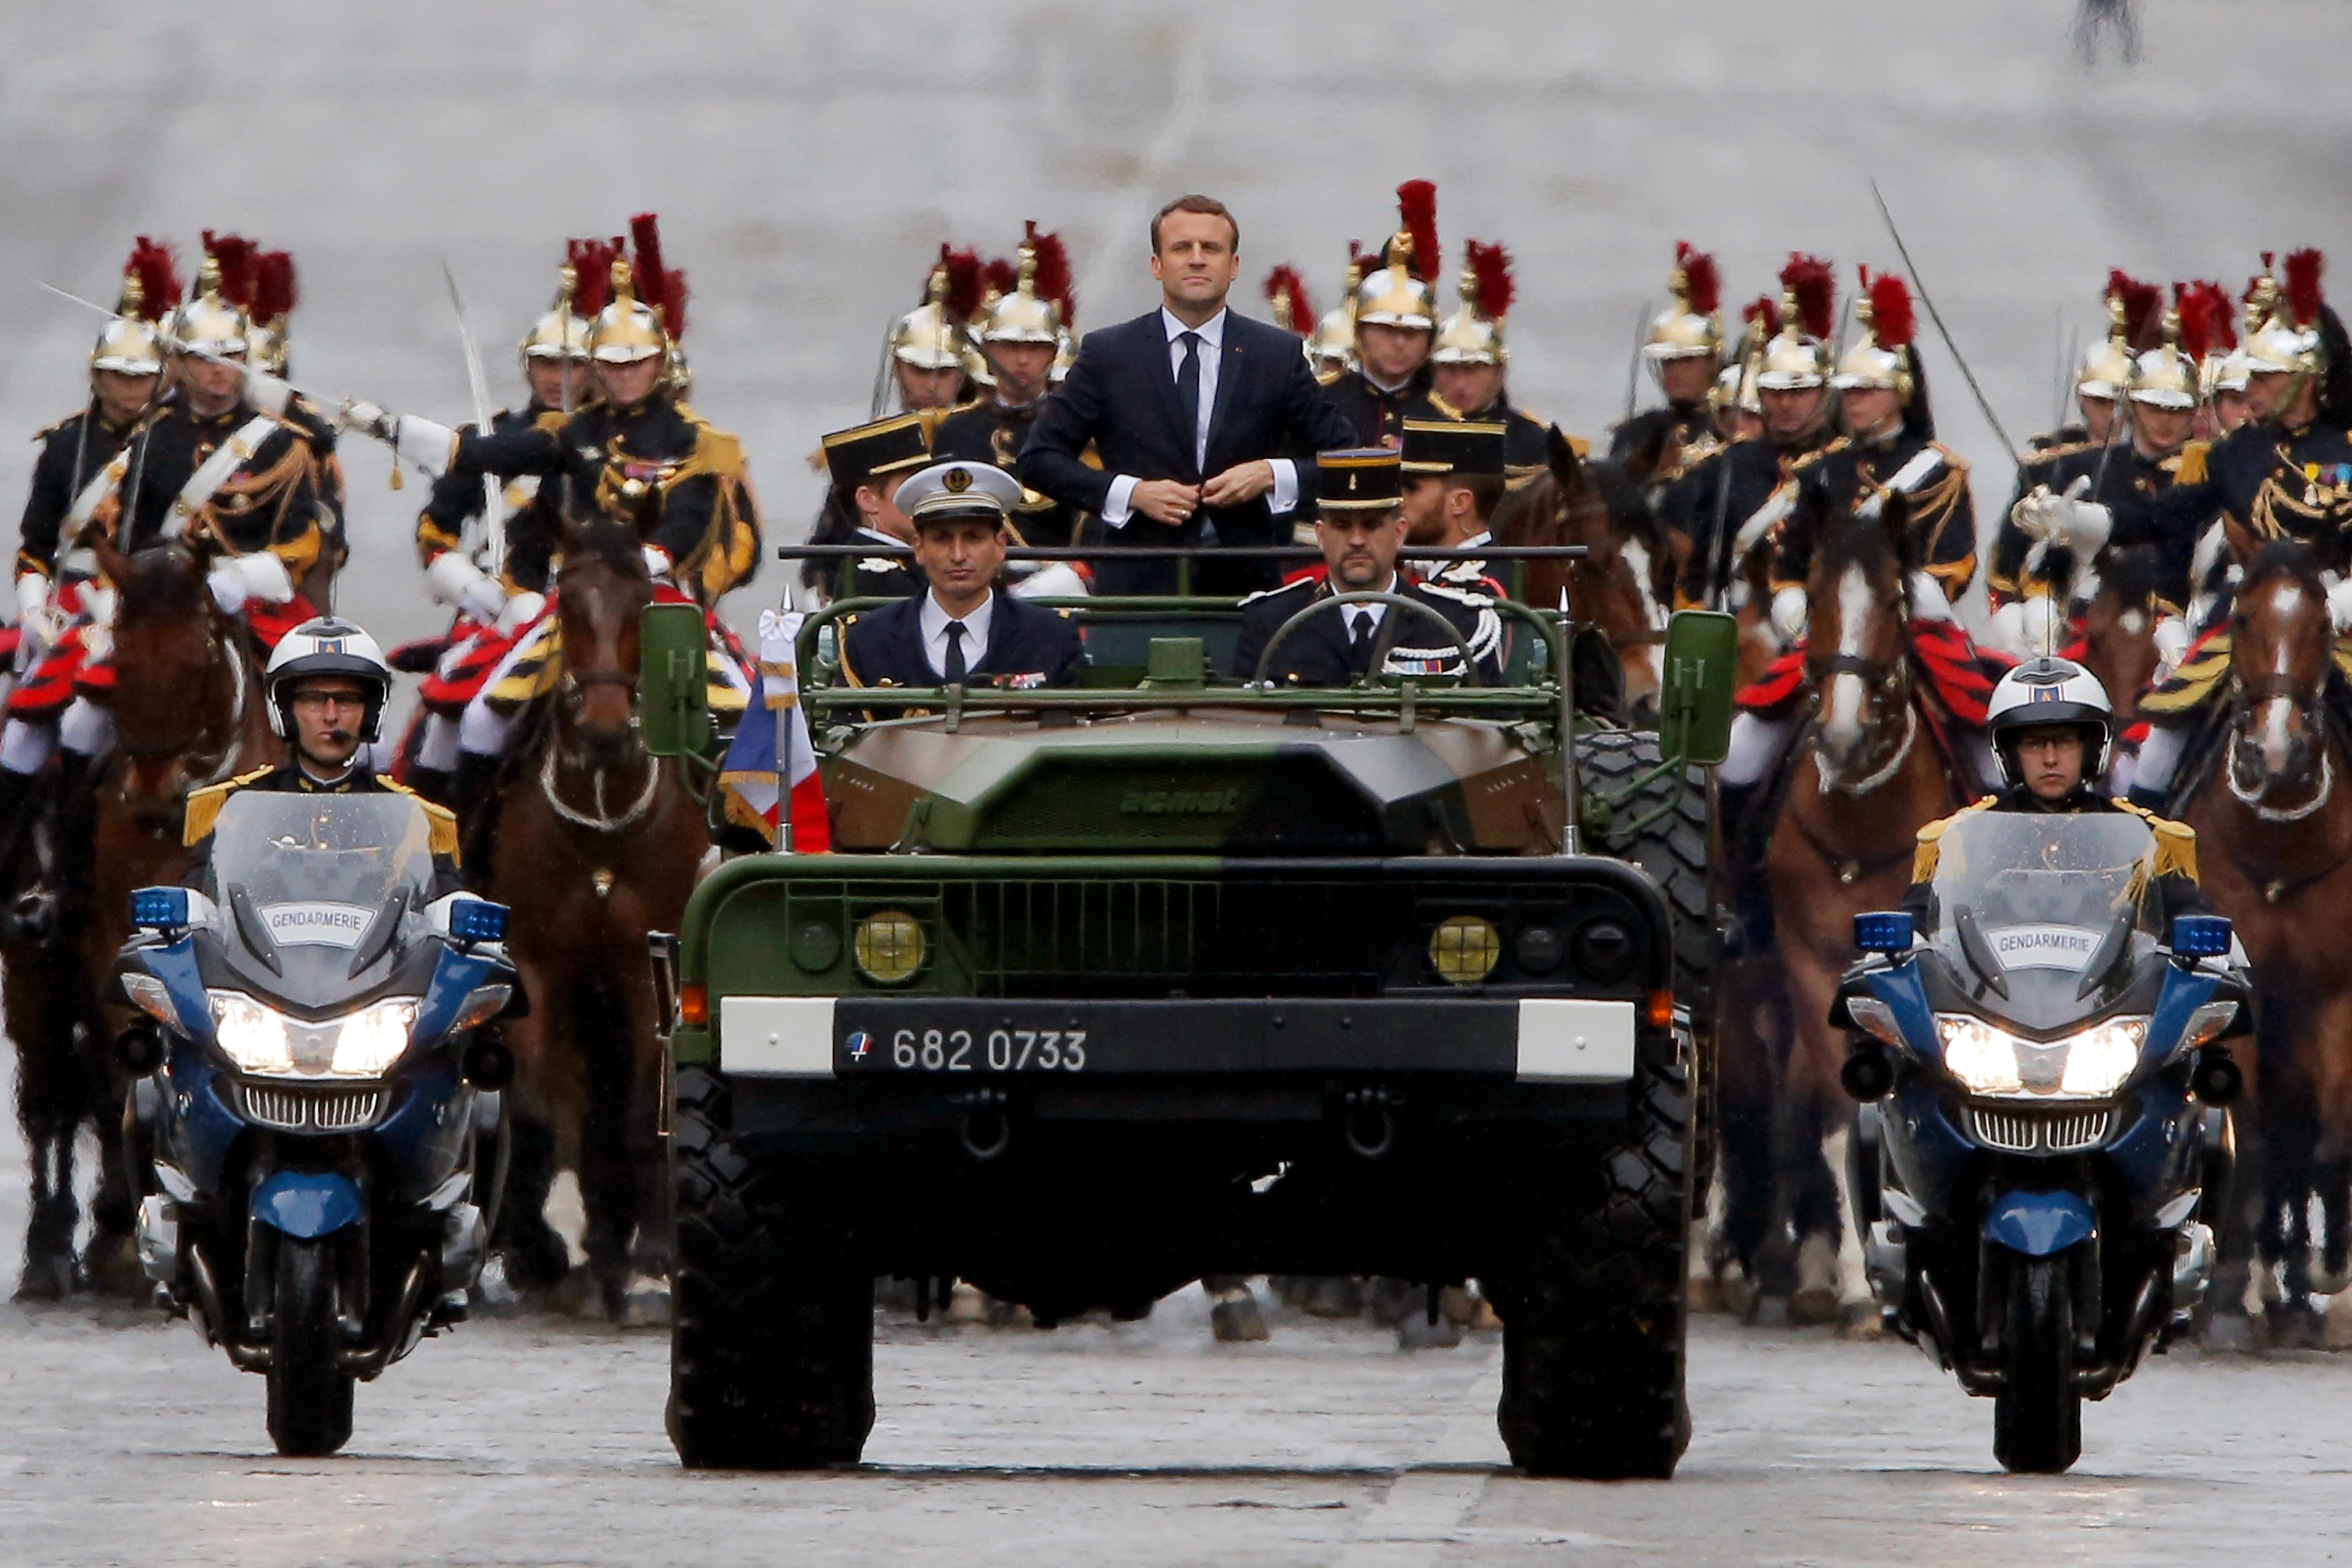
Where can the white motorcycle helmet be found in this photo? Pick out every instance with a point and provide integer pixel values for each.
(326, 645)
(2048, 691)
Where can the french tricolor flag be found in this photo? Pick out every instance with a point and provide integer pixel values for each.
(772, 743)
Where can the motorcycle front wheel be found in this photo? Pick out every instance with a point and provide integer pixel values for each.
(2037, 1416)
(309, 1396)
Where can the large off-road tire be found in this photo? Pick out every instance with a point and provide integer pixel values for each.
(1673, 851)
(2037, 1416)
(772, 1349)
(1592, 1310)
(309, 1397)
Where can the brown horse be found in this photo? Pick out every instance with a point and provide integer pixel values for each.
(597, 844)
(2274, 840)
(2119, 630)
(1864, 778)
(1623, 581)
(187, 712)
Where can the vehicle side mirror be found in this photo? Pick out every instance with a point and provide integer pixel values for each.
(1883, 931)
(673, 678)
(2200, 937)
(1701, 676)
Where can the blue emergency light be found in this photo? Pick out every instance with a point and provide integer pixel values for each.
(2200, 936)
(1883, 931)
(166, 908)
(478, 920)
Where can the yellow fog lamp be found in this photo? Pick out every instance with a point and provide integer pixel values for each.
(889, 946)
(1464, 949)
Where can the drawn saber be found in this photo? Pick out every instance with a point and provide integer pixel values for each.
(494, 506)
(1984, 404)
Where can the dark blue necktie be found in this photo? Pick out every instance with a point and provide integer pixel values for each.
(1187, 392)
(956, 670)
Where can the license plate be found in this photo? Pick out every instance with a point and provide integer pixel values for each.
(917, 1049)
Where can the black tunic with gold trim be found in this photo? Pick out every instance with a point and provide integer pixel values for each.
(994, 432)
(281, 495)
(659, 467)
(1848, 472)
(1377, 415)
(1732, 483)
(2268, 481)
(74, 451)
(2129, 477)
(534, 506)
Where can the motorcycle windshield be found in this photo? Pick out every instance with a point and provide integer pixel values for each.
(2044, 893)
(319, 891)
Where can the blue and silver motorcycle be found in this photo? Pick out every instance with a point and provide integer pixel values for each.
(2041, 1149)
(318, 1090)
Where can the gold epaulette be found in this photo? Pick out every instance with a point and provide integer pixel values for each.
(716, 451)
(1800, 465)
(1931, 840)
(1516, 476)
(205, 805)
(550, 420)
(2176, 843)
(2193, 463)
(2051, 453)
(443, 820)
(48, 430)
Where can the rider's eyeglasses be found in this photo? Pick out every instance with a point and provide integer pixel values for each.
(329, 699)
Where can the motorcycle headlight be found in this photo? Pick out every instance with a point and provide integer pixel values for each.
(2090, 1064)
(264, 1041)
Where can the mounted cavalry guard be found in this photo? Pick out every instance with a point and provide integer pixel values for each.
(1684, 351)
(1743, 490)
(1396, 326)
(493, 609)
(1021, 334)
(927, 344)
(1331, 340)
(637, 455)
(1471, 362)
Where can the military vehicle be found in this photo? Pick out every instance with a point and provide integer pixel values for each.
(1109, 988)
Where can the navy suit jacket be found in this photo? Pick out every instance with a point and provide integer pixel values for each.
(1120, 397)
(1026, 647)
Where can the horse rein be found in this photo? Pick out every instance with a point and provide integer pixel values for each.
(573, 686)
(2273, 687)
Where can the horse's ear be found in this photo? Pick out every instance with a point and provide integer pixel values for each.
(1566, 465)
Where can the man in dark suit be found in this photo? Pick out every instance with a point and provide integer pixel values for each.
(1206, 422)
(1361, 530)
(961, 631)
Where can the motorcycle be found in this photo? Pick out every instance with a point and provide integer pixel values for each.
(2043, 1145)
(318, 1082)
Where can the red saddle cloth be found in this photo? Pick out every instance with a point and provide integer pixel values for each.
(1942, 655)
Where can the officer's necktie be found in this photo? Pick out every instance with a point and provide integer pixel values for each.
(1359, 641)
(1187, 392)
(955, 671)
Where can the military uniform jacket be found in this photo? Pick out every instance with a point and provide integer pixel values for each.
(2130, 479)
(1027, 647)
(994, 432)
(1322, 653)
(2273, 482)
(74, 451)
(658, 467)
(1375, 415)
(1734, 483)
(280, 496)
(534, 509)
(205, 805)
(1847, 471)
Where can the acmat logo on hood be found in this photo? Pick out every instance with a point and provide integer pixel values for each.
(1181, 802)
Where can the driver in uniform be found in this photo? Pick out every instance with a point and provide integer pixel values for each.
(2052, 730)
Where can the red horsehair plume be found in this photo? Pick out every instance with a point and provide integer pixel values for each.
(1052, 280)
(234, 255)
(1284, 286)
(2304, 299)
(1814, 283)
(592, 273)
(275, 293)
(1417, 215)
(998, 276)
(657, 285)
(2143, 308)
(963, 282)
(1490, 267)
(1763, 317)
(2194, 309)
(1702, 283)
(158, 272)
(2224, 325)
(1891, 322)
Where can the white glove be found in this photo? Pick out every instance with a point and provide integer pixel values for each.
(265, 393)
(519, 612)
(98, 604)
(2171, 639)
(432, 448)
(2340, 605)
(1788, 613)
(2080, 526)
(36, 622)
(368, 419)
(2022, 628)
(241, 578)
(1054, 579)
(457, 583)
(1928, 600)
(658, 562)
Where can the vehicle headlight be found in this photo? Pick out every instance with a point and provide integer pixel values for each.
(262, 1041)
(2089, 1065)
(153, 998)
(889, 946)
(1464, 949)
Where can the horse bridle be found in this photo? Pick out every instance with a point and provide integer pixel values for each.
(1882, 677)
(2254, 694)
(576, 686)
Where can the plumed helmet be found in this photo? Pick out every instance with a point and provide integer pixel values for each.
(930, 337)
(560, 336)
(1035, 308)
(211, 322)
(1472, 335)
(647, 313)
(130, 345)
(2109, 365)
(1796, 356)
(2167, 376)
(2051, 691)
(1331, 346)
(1690, 327)
(2286, 339)
(326, 645)
(1881, 356)
(1398, 293)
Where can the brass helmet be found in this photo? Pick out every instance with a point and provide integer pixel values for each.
(1880, 358)
(208, 323)
(1287, 302)
(1737, 387)
(647, 312)
(1031, 311)
(1689, 328)
(1798, 356)
(270, 308)
(561, 333)
(151, 286)
(1399, 294)
(2107, 365)
(998, 278)
(2287, 341)
(1473, 334)
(2167, 376)
(1331, 347)
(931, 336)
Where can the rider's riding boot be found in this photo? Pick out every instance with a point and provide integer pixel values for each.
(1747, 921)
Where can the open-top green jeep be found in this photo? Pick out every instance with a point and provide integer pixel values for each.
(1109, 988)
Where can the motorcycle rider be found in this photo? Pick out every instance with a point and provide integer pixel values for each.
(2052, 731)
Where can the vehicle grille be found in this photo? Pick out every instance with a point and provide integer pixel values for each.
(304, 1109)
(2041, 1131)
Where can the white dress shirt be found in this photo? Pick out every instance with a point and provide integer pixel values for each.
(1367, 615)
(934, 620)
(1119, 506)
